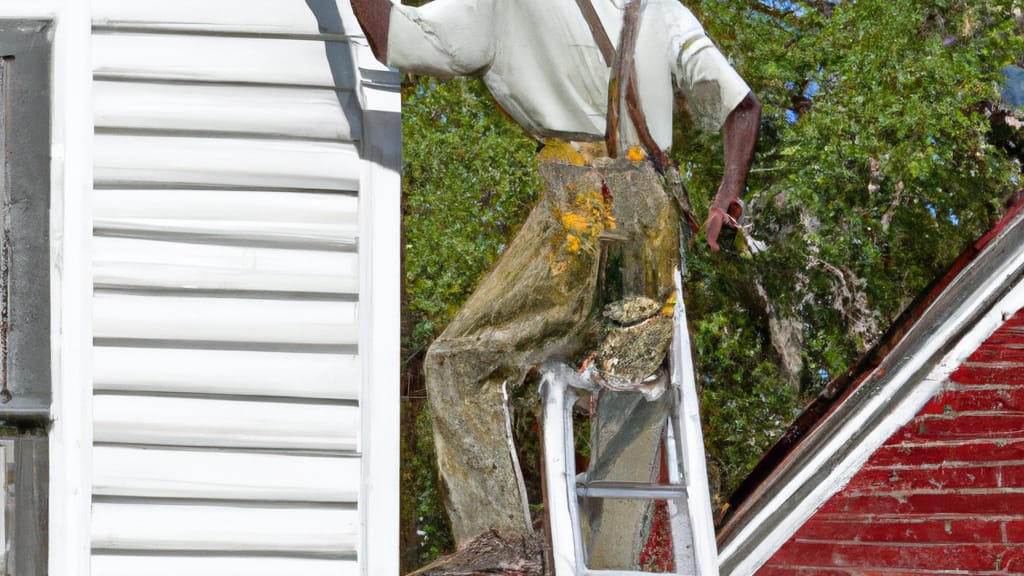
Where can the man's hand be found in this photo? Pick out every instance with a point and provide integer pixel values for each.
(375, 17)
(740, 138)
(717, 218)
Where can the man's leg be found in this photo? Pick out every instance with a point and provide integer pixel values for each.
(482, 489)
(536, 303)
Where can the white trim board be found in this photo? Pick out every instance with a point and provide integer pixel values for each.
(380, 313)
(71, 287)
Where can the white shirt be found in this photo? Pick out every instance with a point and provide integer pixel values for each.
(539, 60)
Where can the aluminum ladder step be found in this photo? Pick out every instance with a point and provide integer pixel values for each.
(646, 491)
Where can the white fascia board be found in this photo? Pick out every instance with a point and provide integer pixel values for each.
(71, 284)
(879, 416)
(379, 306)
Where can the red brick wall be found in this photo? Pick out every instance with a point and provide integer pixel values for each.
(945, 494)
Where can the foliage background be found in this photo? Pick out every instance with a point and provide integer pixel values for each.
(883, 152)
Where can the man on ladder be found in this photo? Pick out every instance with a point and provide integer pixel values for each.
(596, 79)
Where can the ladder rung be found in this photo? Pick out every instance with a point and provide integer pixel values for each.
(624, 573)
(610, 489)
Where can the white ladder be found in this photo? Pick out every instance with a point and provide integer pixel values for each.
(686, 493)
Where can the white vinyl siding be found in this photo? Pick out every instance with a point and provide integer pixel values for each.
(216, 58)
(229, 372)
(270, 17)
(229, 163)
(313, 114)
(227, 403)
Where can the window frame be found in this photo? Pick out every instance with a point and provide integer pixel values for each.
(25, 292)
(25, 378)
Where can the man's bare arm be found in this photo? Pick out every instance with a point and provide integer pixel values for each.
(374, 16)
(740, 138)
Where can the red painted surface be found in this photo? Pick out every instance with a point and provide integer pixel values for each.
(903, 530)
(989, 450)
(944, 494)
(657, 554)
(1000, 399)
(768, 571)
(1015, 531)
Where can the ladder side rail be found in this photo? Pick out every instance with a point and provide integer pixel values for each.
(692, 441)
(624, 573)
(560, 476)
(678, 509)
(570, 481)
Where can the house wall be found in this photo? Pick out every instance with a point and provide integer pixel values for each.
(945, 494)
(231, 291)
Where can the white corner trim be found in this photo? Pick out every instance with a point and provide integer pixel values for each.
(380, 228)
(380, 356)
(71, 285)
(856, 456)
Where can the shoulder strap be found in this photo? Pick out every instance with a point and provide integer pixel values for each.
(623, 74)
(626, 52)
(604, 44)
(622, 78)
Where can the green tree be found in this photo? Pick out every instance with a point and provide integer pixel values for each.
(876, 167)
